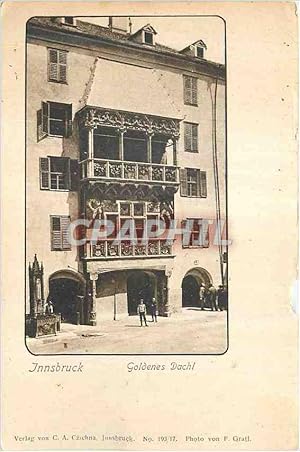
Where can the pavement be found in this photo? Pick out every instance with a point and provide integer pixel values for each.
(190, 332)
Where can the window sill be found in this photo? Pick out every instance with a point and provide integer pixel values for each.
(58, 82)
(194, 152)
(191, 105)
(193, 197)
(55, 136)
(195, 247)
(64, 190)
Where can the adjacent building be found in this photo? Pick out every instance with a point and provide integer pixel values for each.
(122, 127)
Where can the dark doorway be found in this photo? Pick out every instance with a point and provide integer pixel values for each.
(65, 295)
(190, 292)
(140, 285)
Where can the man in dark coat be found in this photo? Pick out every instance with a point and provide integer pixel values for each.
(154, 310)
(202, 294)
(222, 298)
(212, 293)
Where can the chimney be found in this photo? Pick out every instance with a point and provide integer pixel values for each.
(118, 24)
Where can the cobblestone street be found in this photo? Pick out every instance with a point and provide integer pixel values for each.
(192, 332)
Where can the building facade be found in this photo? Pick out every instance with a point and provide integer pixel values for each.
(124, 129)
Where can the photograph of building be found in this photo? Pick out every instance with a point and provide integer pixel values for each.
(124, 128)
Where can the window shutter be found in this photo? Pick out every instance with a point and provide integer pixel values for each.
(53, 57)
(202, 184)
(53, 65)
(56, 243)
(62, 73)
(74, 175)
(65, 223)
(187, 137)
(194, 130)
(62, 59)
(53, 71)
(187, 89)
(59, 233)
(184, 241)
(45, 117)
(183, 182)
(57, 67)
(39, 122)
(44, 173)
(194, 90)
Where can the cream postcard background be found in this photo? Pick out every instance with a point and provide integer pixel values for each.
(252, 389)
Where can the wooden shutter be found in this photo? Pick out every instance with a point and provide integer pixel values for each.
(183, 226)
(194, 91)
(53, 65)
(183, 182)
(62, 73)
(202, 183)
(39, 123)
(42, 116)
(187, 136)
(187, 89)
(57, 65)
(65, 223)
(56, 242)
(44, 173)
(194, 137)
(59, 233)
(62, 60)
(45, 117)
(74, 175)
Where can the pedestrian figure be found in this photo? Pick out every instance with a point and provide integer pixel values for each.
(225, 298)
(49, 309)
(202, 291)
(212, 297)
(221, 300)
(154, 310)
(142, 311)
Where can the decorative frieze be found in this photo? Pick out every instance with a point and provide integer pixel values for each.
(92, 117)
(129, 172)
(125, 249)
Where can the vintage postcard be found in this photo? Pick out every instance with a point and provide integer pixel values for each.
(149, 157)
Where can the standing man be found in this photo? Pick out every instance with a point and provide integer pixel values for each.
(154, 310)
(212, 297)
(221, 298)
(225, 298)
(141, 310)
(202, 291)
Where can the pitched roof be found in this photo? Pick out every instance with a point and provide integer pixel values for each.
(147, 27)
(92, 30)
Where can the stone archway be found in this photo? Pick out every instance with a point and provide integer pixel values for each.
(191, 285)
(67, 291)
(140, 284)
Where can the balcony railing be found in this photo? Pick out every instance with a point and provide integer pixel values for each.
(124, 249)
(129, 171)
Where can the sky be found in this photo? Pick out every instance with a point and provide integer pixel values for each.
(179, 32)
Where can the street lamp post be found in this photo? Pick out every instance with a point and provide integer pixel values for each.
(115, 298)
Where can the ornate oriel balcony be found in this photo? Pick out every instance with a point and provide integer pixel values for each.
(128, 147)
(128, 171)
